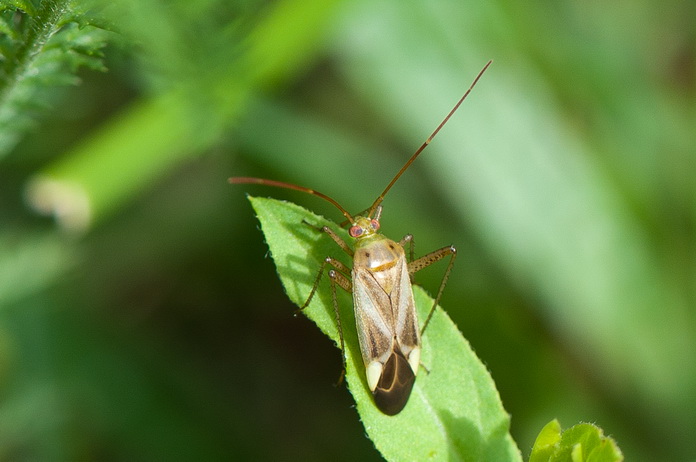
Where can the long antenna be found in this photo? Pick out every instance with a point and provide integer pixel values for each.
(281, 184)
(380, 198)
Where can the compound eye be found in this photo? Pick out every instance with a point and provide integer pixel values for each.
(355, 231)
(375, 224)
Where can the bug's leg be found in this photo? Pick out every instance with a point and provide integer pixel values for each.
(327, 261)
(338, 278)
(332, 234)
(427, 260)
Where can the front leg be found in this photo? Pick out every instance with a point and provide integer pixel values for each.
(332, 234)
(339, 278)
(336, 264)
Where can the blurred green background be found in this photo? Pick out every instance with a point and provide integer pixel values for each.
(141, 319)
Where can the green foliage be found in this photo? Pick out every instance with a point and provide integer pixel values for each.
(43, 44)
(159, 332)
(454, 412)
(580, 443)
(179, 120)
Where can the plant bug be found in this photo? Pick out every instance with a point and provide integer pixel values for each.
(380, 281)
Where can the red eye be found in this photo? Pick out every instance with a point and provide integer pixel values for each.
(375, 224)
(355, 231)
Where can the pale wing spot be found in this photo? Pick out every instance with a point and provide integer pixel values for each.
(373, 372)
(414, 359)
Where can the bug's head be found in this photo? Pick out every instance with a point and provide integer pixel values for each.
(365, 226)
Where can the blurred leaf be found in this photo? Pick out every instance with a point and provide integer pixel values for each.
(580, 443)
(546, 442)
(31, 262)
(454, 412)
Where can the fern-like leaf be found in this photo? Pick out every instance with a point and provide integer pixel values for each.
(42, 44)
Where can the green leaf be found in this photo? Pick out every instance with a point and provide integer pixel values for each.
(454, 412)
(546, 442)
(581, 443)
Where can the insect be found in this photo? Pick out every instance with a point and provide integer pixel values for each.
(380, 281)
